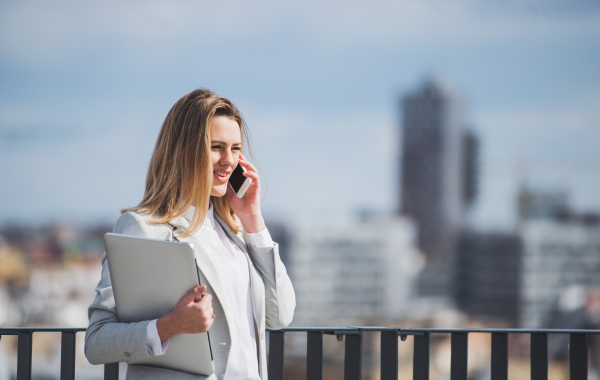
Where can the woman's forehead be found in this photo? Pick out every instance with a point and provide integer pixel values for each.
(225, 129)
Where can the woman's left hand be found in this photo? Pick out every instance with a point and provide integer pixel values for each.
(247, 208)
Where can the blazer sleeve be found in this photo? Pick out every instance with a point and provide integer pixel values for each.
(280, 299)
(107, 340)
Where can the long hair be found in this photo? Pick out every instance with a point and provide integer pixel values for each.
(180, 170)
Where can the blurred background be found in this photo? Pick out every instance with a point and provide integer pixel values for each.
(428, 163)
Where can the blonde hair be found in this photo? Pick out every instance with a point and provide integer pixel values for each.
(180, 170)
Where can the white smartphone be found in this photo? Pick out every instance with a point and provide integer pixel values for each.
(239, 184)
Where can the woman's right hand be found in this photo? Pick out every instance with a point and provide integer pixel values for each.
(192, 314)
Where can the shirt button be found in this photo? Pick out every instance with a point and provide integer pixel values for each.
(262, 335)
(127, 355)
(279, 274)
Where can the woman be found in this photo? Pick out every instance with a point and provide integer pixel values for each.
(187, 198)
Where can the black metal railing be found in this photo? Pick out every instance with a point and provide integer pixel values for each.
(67, 351)
(578, 351)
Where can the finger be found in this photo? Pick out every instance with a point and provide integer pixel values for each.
(246, 163)
(209, 312)
(248, 166)
(252, 175)
(255, 180)
(203, 296)
(193, 294)
(206, 301)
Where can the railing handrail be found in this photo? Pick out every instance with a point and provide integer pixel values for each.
(16, 330)
(578, 351)
(409, 330)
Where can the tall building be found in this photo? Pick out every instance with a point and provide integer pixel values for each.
(439, 160)
(439, 177)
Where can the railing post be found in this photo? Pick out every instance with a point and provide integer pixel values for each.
(314, 355)
(421, 357)
(276, 354)
(389, 355)
(353, 356)
(67, 356)
(24, 356)
(111, 371)
(578, 357)
(539, 356)
(458, 356)
(499, 356)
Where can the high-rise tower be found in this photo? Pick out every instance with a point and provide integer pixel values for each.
(439, 157)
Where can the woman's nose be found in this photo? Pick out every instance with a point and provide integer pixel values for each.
(227, 158)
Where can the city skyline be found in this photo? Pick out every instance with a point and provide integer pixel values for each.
(85, 89)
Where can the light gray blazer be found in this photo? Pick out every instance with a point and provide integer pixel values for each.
(107, 340)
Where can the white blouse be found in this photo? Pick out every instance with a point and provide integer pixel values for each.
(232, 265)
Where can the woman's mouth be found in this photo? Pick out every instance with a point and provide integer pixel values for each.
(221, 175)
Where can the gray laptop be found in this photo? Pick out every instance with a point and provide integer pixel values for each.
(148, 277)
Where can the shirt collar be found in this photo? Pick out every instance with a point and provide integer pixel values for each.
(210, 216)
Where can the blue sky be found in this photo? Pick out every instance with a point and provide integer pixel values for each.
(84, 87)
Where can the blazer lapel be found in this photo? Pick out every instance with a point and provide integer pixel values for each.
(257, 286)
(236, 239)
(205, 264)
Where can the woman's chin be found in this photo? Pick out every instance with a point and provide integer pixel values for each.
(219, 191)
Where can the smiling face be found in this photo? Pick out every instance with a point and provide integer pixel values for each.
(225, 147)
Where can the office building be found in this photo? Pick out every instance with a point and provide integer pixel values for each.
(361, 272)
(488, 276)
(557, 258)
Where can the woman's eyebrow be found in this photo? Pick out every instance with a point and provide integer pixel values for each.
(222, 142)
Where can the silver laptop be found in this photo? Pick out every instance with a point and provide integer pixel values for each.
(148, 277)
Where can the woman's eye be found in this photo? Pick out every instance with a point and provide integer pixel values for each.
(216, 147)
(236, 148)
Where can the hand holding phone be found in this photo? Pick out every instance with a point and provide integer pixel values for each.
(238, 182)
(244, 196)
